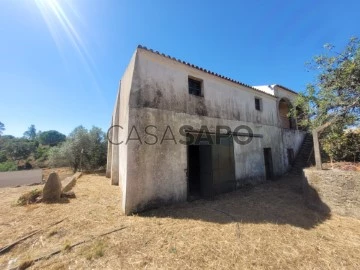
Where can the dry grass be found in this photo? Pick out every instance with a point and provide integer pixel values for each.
(266, 227)
(29, 197)
(344, 166)
(63, 172)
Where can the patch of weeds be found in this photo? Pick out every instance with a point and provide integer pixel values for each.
(95, 251)
(172, 250)
(29, 197)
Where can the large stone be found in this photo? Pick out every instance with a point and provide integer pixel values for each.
(70, 182)
(52, 188)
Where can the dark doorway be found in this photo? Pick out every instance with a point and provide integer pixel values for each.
(211, 168)
(290, 154)
(199, 172)
(268, 164)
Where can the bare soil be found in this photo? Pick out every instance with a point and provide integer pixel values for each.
(266, 227)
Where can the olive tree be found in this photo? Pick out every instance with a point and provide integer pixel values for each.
(83, 149)
(333, 100)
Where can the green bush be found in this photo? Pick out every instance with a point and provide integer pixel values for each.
(8, 166)
(3, 157)
(41, 153)
(344, 146)
(83, 149)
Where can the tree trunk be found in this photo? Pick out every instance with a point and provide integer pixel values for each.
(317, 150)
(315, 134)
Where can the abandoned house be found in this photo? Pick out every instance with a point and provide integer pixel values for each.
(163, 101)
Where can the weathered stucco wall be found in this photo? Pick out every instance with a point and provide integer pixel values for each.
(162, 84)
(117, 156)
(154, 92)
(291, 139)
(158, 170)
(333, 190)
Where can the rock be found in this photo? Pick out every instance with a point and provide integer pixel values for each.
(69, 194)
(70, 182)
(52, 188)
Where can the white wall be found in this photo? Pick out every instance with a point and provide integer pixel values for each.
(156, 174)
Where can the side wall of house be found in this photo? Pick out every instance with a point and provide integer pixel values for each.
(159, 101)
(120, 122)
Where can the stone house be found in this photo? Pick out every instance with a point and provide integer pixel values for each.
(181, 132)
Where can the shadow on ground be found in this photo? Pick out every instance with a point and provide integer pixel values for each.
(278, 202)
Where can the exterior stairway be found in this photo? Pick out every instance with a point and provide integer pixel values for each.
(305, 156)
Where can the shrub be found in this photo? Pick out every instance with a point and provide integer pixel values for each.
(18, 149)
(82, 149)
(57, 157)
(8, 166)
(29, 197)
(343, 146)
(3, 157)
(41, 153)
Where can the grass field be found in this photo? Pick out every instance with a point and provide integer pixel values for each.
(266, 227)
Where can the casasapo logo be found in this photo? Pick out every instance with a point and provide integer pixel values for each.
(186, 135)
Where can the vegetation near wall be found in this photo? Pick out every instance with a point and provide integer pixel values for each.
(331, 104)
(342, 146)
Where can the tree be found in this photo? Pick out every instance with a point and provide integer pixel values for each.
(2, 128)
(343, 145)
(51, 137)
(82, 149)
(334, 97)
(18, 149)
(30, 133)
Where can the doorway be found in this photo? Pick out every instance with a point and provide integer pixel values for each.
(199, 172)
(268, 164)
(290, 154)
(211, 168)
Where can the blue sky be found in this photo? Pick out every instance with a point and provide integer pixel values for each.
(61, 61)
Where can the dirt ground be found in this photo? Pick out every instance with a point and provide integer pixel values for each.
(266, 227)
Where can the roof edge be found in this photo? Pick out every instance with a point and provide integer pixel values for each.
(285, 88)
(202, 69)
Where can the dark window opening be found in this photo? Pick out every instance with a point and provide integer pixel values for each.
(194, 87)
(258, 104)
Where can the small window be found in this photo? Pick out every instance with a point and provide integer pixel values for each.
(194, 87)
(258, 104)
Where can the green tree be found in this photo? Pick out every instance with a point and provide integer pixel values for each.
(334, 97)
(30, 133)
(3, 156)
(2, 128)
(82, 149)
(19, 149)
(51, 137)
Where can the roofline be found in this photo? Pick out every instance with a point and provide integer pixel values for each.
(285, 88)
(205, 70)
